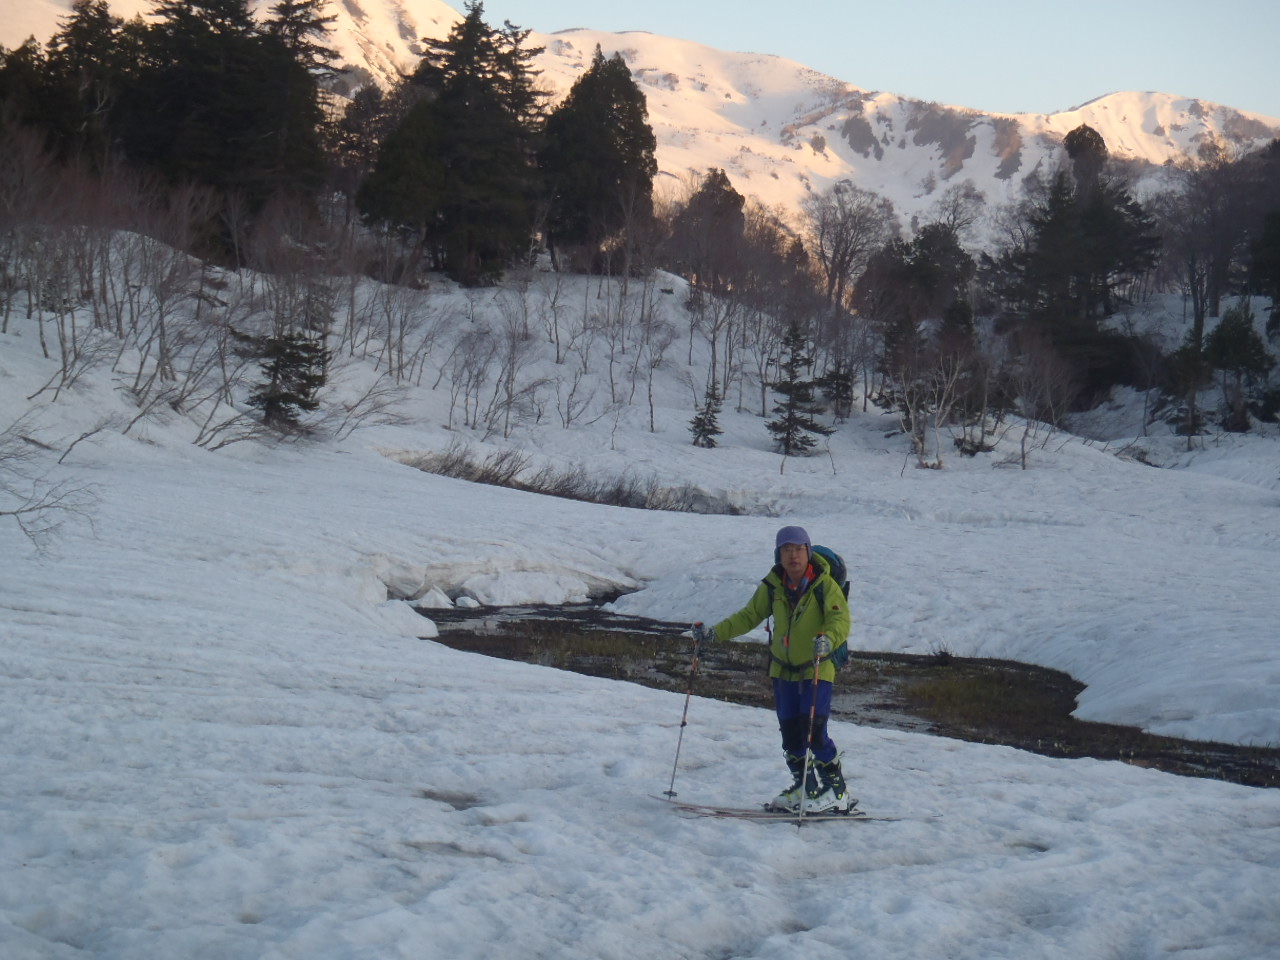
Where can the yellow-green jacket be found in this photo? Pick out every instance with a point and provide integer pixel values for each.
(791, 639)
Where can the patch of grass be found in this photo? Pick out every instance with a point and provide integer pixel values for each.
(988, 696)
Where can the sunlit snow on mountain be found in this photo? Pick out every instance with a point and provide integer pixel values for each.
(779, 129)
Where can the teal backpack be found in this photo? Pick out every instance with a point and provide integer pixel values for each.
(839, 572)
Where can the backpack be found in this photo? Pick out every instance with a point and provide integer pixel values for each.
(839, 572)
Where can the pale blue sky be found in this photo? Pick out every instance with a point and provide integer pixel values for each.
(1028, 56)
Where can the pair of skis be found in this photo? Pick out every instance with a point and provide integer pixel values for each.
(753, 813)
(768, 813)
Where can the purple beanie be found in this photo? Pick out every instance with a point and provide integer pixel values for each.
(792, 535)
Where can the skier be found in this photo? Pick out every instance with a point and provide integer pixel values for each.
(810, 629)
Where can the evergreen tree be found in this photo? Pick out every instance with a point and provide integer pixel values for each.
(295, 365)
(836, 385)
(220, 102)
(293, 42)
(1265, 266)
(598, 158)
(1235, 349)
(300, 26)
(356, 137)
(1088, 152)
(410, 177)
(472, 137)
(27, 98)
(707, 235)
(1086, 236)
(1083, 238)
(89, 56)
(795, 429)
(705, 426)
(908, 283)
(221, 17)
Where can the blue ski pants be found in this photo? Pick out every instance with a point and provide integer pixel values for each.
(793, 699)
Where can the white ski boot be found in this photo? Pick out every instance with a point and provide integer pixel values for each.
(831, 794)
(788, 801)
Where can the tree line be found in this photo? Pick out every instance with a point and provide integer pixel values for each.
(212, 133)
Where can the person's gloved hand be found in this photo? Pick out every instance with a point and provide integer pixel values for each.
(821, 646)
(701, 634)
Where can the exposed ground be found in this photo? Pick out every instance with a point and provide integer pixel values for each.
(987, 701)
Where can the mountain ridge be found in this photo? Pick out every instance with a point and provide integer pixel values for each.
(782, 130)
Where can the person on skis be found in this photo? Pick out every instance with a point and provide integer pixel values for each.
(810, 628)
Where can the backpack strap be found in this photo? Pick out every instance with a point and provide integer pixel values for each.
(792, 671)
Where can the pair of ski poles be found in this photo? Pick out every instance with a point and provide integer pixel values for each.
(698, 634)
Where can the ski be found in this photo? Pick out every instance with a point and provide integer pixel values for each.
(765, 813)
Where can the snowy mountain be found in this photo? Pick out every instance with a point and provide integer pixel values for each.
(778, 128)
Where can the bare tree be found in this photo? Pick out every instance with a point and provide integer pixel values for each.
(847, 224)
(1044, 389)
(28, 184)
(716, 317)
(929, 397)
(549, 308)
(656, 336)
(378, 405)
(959, 210)
(468, 368)
(514, 352)
(29, 494)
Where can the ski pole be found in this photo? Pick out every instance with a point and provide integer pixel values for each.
(684, 718)
(808, 751)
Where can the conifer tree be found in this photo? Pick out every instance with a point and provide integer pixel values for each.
(464, 154)
(836, 385)
(301, 26)
(27, 98)
(295, 367)
(598, 157)
(1235, 348)
(1265, 265)
(293, 41)
(707, 235)
(1087, 236)
(87, 56)
(219, 101)
(705, 426)
(795, 430)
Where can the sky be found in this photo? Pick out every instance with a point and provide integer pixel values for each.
(995, 56)
(225, 732)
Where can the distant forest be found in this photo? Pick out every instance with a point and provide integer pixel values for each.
(130, 149)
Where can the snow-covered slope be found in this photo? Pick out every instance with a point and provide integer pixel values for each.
(778, 128)
(225, 735)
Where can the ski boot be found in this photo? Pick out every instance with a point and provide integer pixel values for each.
(788, 801)
(831, 793)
